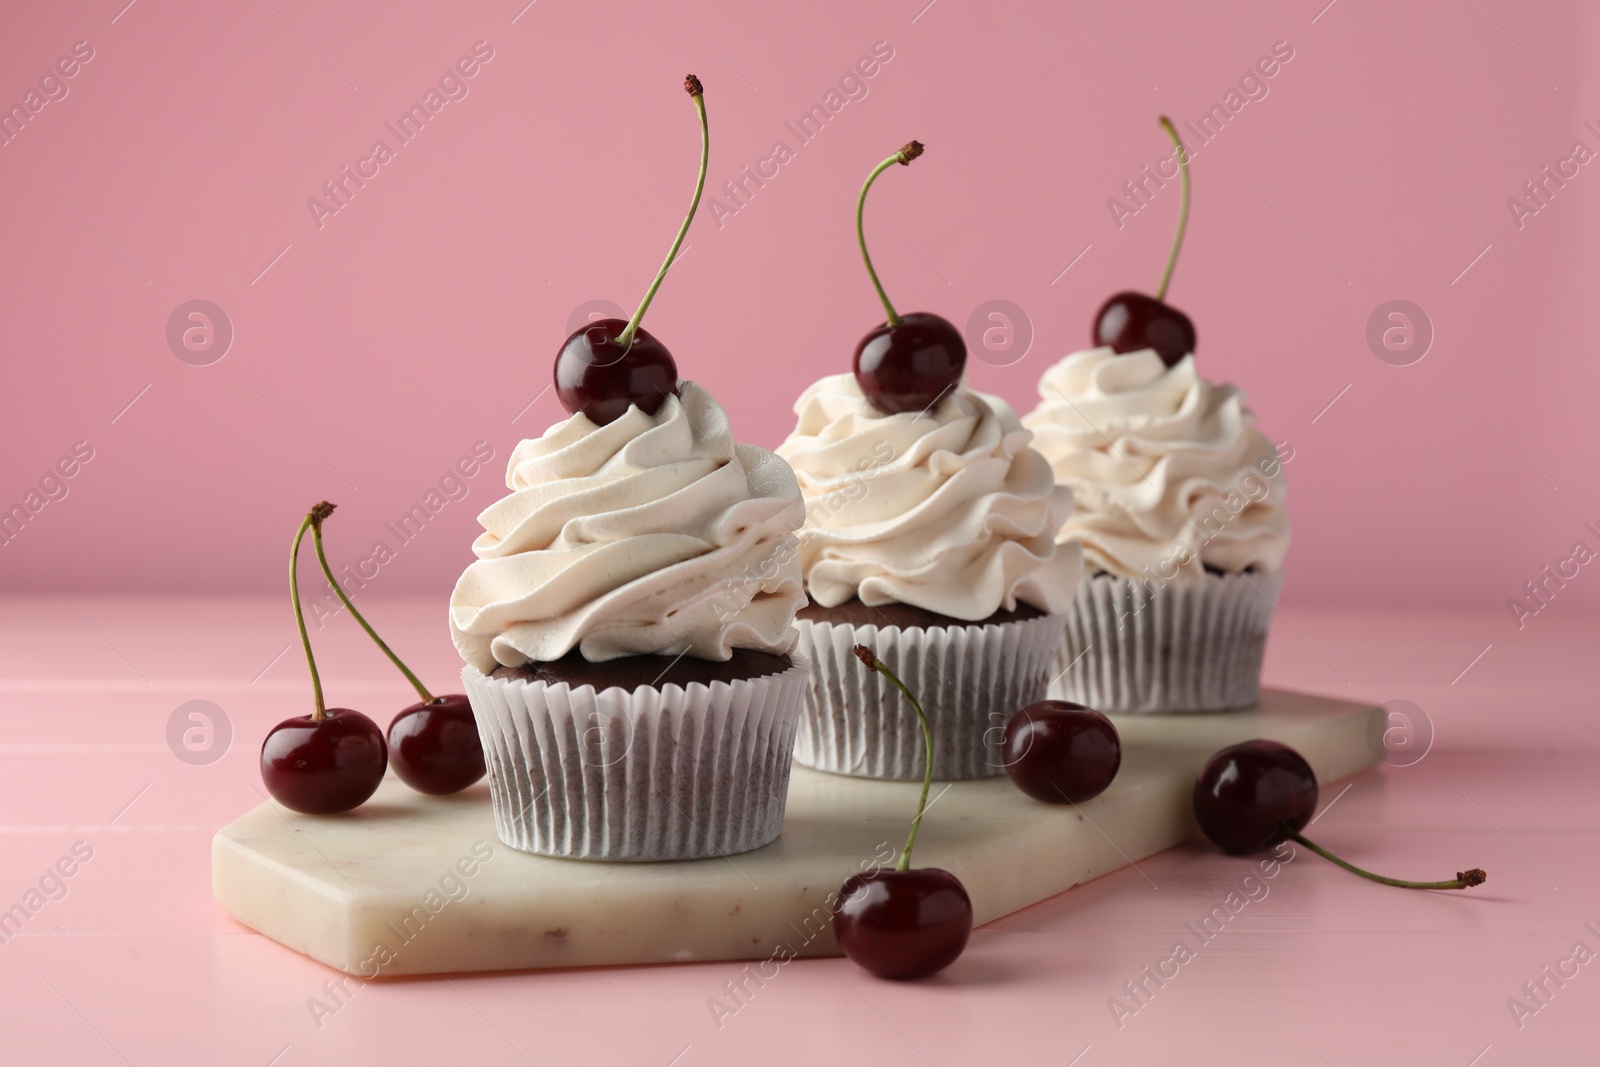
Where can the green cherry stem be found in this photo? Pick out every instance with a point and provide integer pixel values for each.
(1183, 206)
(864, 654)
(1462, 880)
(691, 85)
(318, 516)
(904, 158)
(320, 712)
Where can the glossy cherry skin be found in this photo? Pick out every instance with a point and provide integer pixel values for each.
(1249, 796)
(906, 367)
(1130, 322)
(1060, 752)
(434, 746)
(319, 768)
(903, 924)
(598, 377)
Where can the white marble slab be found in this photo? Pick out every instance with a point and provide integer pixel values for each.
(410, 884)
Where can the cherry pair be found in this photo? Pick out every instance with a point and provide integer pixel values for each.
(333, 759)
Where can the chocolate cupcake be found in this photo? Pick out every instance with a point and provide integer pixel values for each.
(1180, 512)
(930, 537)
(627, 630)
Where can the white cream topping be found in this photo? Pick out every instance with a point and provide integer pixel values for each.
(947, 510)
(1168, 472)
(654, 534)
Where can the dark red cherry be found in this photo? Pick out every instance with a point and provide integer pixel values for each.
(907, 366)
(320, 768)
(1061, 752)
(434, 745)
(903, 924)
(1131, 322)
(1249, 796)
(597, 376)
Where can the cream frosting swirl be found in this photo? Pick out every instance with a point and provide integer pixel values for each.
(947, 510)
(651, 534)
(1168, 472)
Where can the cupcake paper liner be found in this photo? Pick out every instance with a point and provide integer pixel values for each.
(1185, 647)
(970, 680)
(673, 773)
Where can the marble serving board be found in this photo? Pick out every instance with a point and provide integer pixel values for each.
(409, 884)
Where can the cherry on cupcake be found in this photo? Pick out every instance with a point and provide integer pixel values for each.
(1132, 322)
(433, 744)
(1257, 794)
(909, 361)
(333, 759)
(905, 923)
(1060, 752)
(609, 365)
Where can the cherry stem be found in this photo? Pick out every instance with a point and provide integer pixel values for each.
(692, 86)
(864, 654)
(1462, 880)
(1183, 208)
(904, 158)
(319, 515)
(321, 710)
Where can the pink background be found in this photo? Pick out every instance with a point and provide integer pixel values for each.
(370, 354)
(423, 316)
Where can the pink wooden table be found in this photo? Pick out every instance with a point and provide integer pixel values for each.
(128, 960)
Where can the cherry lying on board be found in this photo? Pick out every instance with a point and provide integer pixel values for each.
(1060, 752)
(905, 923)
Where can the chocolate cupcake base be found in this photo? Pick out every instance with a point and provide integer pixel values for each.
(665, 768)
(1184, 647)
(969, 677)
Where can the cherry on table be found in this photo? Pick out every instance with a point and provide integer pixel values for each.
(903, 924)
(321, 768)
(1060, 752)
(434, 745)
(1252, 796)
(1257, 794)
(908, 922)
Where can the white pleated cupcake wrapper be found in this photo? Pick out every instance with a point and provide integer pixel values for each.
(1185, 647)
(650, 774)
(970, 680)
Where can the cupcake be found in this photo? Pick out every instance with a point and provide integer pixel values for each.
(628, 622)
(627, 628)
(1179, 510)
(931, 538)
